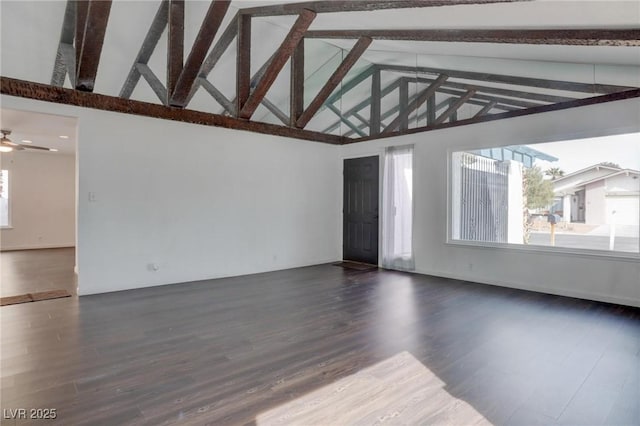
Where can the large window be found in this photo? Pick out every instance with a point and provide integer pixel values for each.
(579, 195)
(4, 198)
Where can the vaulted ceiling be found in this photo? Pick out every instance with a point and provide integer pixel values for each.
(331, 71)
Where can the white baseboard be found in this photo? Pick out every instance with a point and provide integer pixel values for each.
(555, 291)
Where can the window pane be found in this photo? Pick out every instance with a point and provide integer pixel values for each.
(579, 194)
(4, 198)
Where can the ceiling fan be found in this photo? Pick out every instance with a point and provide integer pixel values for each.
(6, 145)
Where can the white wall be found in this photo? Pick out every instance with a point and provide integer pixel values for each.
(200, 202)
(607, 279)
(42, 200)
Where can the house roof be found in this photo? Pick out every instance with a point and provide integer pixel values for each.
(620, 172)
(557, 183)
(585, 170)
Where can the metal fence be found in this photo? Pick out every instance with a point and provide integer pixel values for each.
(484, 199)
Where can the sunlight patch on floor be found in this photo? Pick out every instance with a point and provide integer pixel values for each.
(398, 390)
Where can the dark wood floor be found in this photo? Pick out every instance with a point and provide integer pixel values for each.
(32, 271)
(276, 347)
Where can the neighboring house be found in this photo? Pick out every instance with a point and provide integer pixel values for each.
(599, 195)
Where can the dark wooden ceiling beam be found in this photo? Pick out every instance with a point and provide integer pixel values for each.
(402, 121)
(530, 96)
(146, 50)
(296, 88)
(512, 80)
(485, 109)
(358, 6)
(349, 85)
(349, 124)
(82, 10)
(454, 107)
(65, 65)
(419, 100)
(60, 95)
(393, 110)
(504, 101)
(278, 62)
(610, 97)
(243, 61)
(175, 45)
(155, 83)
(228, 105)
(277, 112)
(376, 103)
(216, 53)
(333, 82)
(95, 27)
(204, 39)
(565, 37)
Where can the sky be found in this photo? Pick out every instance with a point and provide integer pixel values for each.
(578, 154)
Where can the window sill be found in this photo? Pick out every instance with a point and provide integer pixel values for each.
(546, 250)
(6, 227)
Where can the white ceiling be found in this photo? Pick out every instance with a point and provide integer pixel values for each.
(30, 30)
(42, 129)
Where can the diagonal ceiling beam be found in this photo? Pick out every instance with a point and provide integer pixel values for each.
(509, 79)
(295, 35)
(95, 26)
(175, 45)
(499, 91)
(485, 109)
(357, 6)
(63, 65)
(504, 101)
(206, 34)
(146, 50)
(228, 106)
(277, 112)
(216, 53)
(565, 37)
(349, 85)
(335, 79)
(419, 100)
(349, 124)
(384, 92)
(155, 83)
(454, 107)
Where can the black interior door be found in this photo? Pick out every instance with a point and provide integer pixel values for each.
(360, 210)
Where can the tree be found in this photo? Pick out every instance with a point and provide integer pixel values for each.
(554, 172)
(610, 164)
(539, 192)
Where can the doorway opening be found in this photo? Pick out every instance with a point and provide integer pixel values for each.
(38, 203)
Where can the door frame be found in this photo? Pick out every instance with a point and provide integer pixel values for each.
(376, 153)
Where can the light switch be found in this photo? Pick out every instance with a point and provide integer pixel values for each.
(92, 196)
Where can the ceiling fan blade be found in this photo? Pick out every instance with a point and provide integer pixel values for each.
(41, 148)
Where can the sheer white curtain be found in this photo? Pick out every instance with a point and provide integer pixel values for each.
(397, 208)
